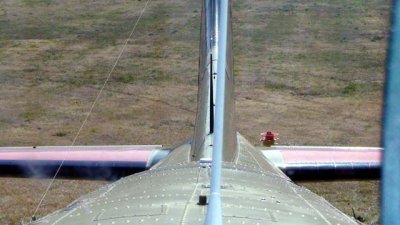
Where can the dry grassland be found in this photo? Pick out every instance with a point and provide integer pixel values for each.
(310, 70)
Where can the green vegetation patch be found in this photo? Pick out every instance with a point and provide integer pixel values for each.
(32, 112)
(31, 3)
(353, 88)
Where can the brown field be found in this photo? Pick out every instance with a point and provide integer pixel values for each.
(310, 70)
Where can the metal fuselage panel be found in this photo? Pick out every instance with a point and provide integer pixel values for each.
(253, 192)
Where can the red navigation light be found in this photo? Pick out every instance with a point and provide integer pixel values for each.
(268, 138)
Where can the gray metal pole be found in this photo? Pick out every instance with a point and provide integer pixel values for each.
(214, 210)
(390, 190)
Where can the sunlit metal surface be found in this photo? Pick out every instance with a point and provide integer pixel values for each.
(222, 115)
(252, 191)
(390, 206)
(212, 46)
(202, 141)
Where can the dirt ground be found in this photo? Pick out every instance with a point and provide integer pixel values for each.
(310, 70)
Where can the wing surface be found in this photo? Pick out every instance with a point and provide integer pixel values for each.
(82, 161)
(115, 161)
(317, 162)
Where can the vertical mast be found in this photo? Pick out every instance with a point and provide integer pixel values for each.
(212, 46)
(390, 200)
(215, 134)
(224, 136)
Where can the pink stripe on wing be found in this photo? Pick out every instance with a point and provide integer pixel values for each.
(320, 156)
(80, 153)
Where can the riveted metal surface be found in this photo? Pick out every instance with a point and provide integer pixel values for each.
(170, 196)
(164, 196)
(178, 156)
(252, 193)
(250, 157)
(264, 198)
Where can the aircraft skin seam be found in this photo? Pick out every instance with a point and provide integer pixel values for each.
(191, 197)
(238, 153)
(66, 214)
(309, 204)
(251, 154)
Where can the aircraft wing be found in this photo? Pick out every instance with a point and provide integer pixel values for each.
(321, 162)
(114, 161)
(82, 161)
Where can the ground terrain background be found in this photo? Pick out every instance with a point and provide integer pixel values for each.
(310, 70)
